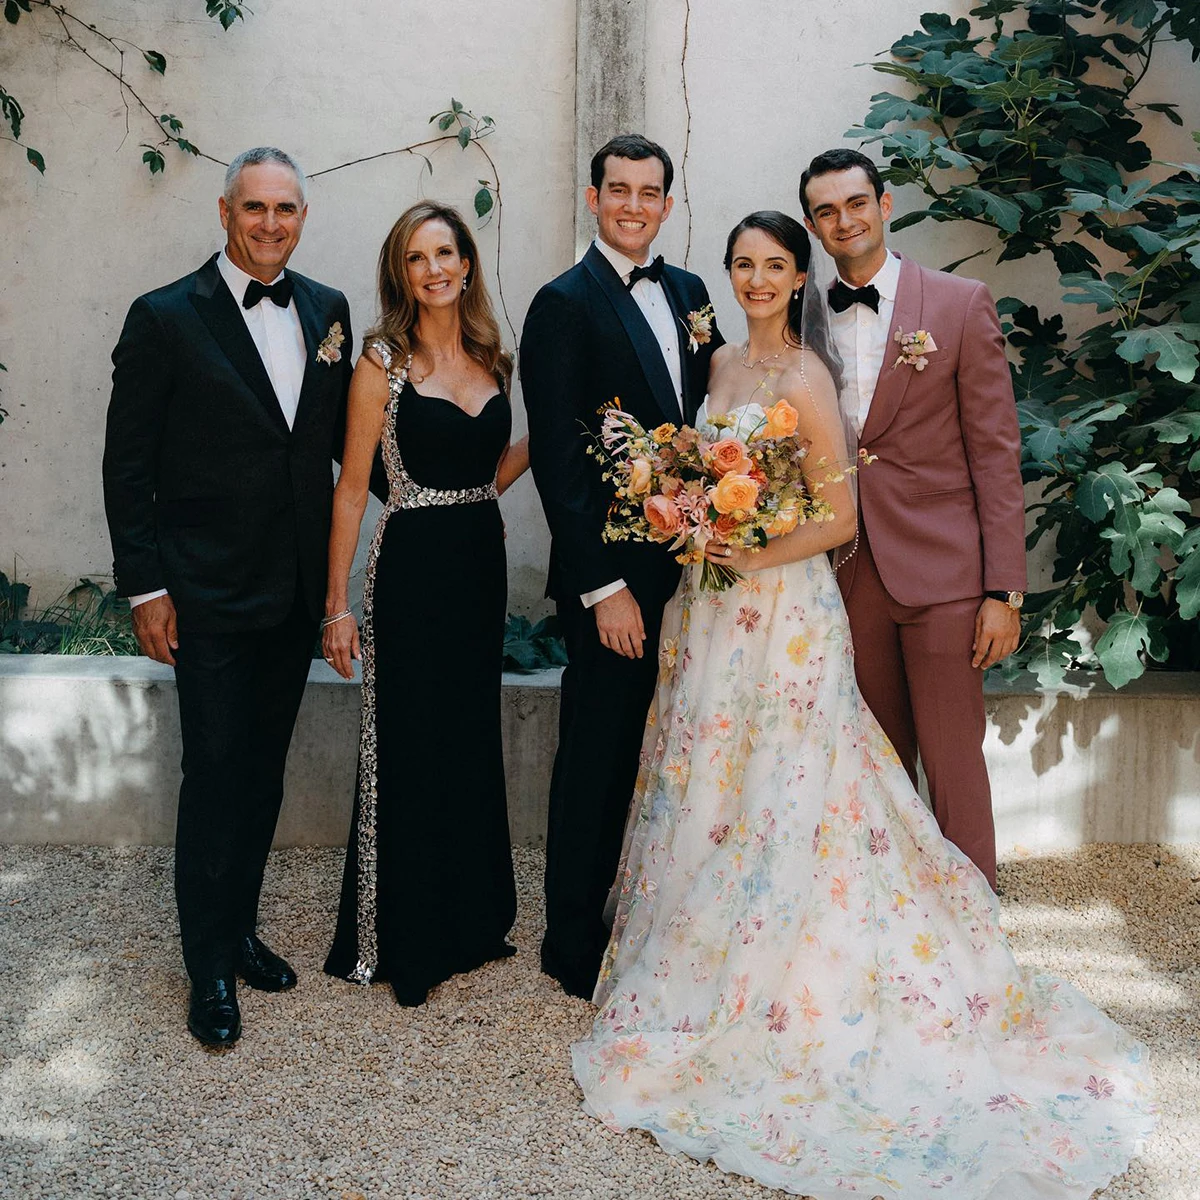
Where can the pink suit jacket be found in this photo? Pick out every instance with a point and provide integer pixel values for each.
(943, 505)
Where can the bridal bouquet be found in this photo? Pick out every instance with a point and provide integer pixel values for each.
(676, 487)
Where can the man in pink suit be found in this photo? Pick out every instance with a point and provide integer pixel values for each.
(934, 584)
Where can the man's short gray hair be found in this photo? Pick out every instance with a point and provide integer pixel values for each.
(255, 158)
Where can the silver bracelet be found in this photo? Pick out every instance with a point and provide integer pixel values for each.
(327, 621)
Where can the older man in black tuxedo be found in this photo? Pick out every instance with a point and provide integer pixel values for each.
(615, 324)
(228, 403)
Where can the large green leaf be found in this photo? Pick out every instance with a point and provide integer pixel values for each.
(1187, 575)
(1100, 492)
(1106, 294)
(1122, 645)
(1139, 534)
(1176, 343)
(887, 108)
(1003, 211)
(1050, 658)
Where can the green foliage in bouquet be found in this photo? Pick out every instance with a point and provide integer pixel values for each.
(1025, 122)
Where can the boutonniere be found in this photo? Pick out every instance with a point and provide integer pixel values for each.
(330, 350)
(699, 327)
(913, 348)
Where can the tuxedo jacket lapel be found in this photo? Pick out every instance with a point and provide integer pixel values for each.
(678, 308)
(648, 352)
(310, 323)
(216, 307)
(893, 381)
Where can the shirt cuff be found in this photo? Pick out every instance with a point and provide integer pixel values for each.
(134, 601)
(591, 599)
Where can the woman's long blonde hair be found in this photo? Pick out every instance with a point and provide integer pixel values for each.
(398, 307)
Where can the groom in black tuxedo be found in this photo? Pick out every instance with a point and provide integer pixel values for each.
(615, 325)
(228, 404)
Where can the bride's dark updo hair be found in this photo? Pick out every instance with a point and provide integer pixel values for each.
(788, 233)
(793, 237)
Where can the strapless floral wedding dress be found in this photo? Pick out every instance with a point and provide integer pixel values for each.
(806, 983)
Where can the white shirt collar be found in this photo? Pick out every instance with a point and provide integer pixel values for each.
(621, 263)
(235, 278)
(886, 279)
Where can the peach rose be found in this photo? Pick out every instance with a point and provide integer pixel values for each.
(728, 457)
(725, 524)
(785, 521)
(735, 493)
(663, 515)
(639, 477)
(782, 419)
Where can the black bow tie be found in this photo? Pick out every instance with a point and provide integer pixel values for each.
(841, 297)
(280, 292)
(653, 272)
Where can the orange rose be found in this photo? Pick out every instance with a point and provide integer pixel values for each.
(785, 521)
(728, 456)
(782, 419)
(663, 515)
(735, 493)
(725, 524)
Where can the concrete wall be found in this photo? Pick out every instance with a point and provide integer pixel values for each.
(97, 231)
(770, 82)
(89, 754)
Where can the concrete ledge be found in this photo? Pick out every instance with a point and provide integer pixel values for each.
(89, 754)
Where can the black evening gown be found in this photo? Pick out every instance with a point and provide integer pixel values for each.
(428, 888)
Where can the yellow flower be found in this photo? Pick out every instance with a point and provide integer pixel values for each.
(924, 949)
(797, 650)
(663, 434)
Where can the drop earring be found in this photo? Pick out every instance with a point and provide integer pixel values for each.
(464, 287)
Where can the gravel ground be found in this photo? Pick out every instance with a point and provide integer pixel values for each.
(335, 1092)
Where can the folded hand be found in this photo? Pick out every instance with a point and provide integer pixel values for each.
(341, 647)
(154, 626)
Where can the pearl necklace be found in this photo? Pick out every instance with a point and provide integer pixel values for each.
(758, 362)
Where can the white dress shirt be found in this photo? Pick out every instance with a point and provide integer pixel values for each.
(862, 340)
(652, 301)
(280, 342)
(277, 334)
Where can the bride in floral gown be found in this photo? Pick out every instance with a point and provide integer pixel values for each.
(806, 983)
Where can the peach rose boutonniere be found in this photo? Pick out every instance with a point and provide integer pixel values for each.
(330, 350)
(699, 326)
(913, 348)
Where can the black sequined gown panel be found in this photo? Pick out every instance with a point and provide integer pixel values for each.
(444, 896)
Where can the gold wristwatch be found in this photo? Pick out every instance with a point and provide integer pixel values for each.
(1014, 600)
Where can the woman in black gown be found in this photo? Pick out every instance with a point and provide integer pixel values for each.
(430, 393)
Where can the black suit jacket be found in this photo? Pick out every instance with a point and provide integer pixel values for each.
(585, 341)
(207, 492)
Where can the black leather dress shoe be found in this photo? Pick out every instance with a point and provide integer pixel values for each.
(213, 1016)
(573, 981)
(262, 968)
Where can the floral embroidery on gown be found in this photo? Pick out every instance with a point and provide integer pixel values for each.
(806, 982)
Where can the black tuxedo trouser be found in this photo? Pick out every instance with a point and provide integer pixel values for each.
(239, 694)
(602, 719)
